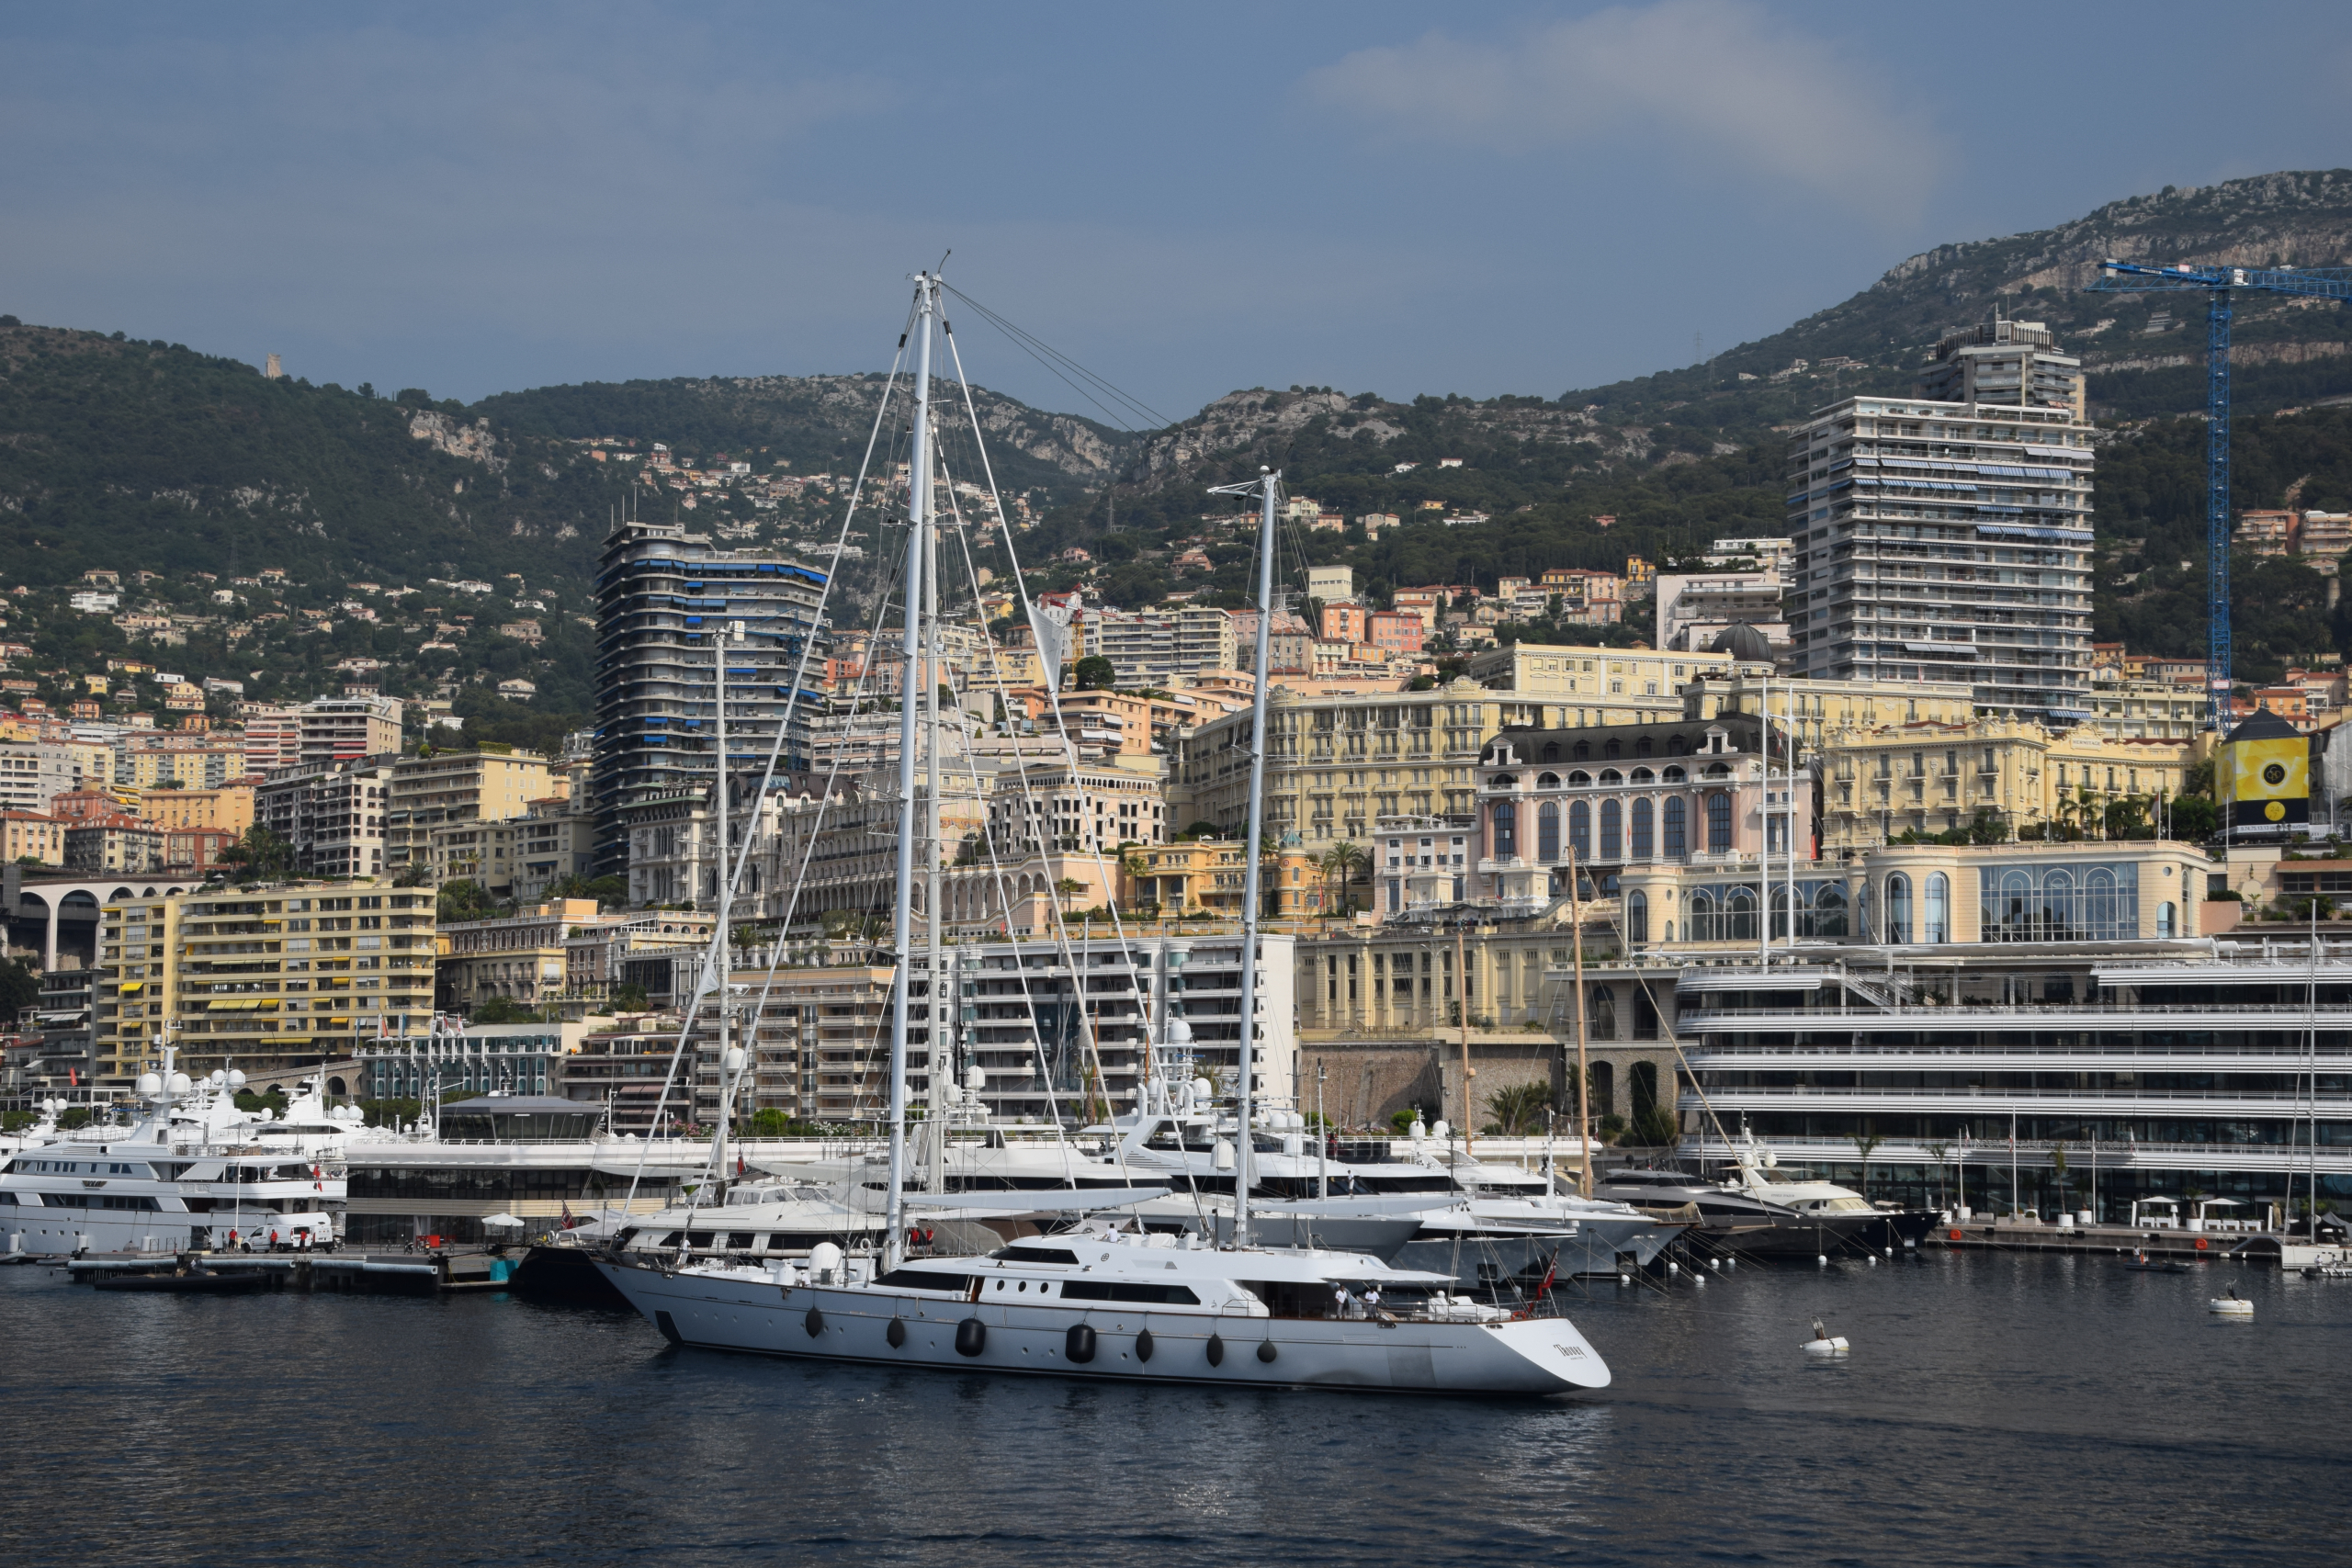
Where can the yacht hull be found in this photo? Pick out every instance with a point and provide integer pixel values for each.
(747, 1312)
(61, 1233)
(1484, 1259)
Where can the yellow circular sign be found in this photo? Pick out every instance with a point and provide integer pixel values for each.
(2273, 811)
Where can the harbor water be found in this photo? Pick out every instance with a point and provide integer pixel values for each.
(1994, 1409)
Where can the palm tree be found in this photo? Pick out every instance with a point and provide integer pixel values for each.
(1344, 859)
(1518, 1107)
(1865, 1143)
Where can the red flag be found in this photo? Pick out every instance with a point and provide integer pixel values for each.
(568, 1221)
(1550, 1273)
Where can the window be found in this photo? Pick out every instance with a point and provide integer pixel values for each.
(1580, 831)
(2167, 920)
(1548, 832)
(1505, 833)
(1700, 914)
(1898, 907)
(1935, 919)
(1641, 846)
(1719, 823)
(1637, 919)
(1611, 829)
(1677, 845)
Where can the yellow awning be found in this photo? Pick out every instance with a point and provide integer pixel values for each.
(130, 986)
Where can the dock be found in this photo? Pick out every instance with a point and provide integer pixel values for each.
(2270, 1248)
(348, 1273)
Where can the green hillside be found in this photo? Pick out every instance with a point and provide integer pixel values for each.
(122, 454)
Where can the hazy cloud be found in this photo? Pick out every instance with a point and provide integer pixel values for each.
(1723, 78)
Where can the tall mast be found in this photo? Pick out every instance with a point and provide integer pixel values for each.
(1267, 481)
(721, 634)
(935, 1012)
(903, 912)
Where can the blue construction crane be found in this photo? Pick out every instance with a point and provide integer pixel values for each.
(2218, 284)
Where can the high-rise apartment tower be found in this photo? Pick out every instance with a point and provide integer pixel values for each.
(662, 595)
(1946, 537)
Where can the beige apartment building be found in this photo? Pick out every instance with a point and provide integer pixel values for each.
(1929, 777)
(455, 789)
(1584, 686)
(337, 729)
(267, 981)
(229, 807)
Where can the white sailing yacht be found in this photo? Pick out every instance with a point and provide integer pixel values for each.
(1109, 1299)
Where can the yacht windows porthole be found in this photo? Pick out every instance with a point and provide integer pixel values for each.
(1023, 1285)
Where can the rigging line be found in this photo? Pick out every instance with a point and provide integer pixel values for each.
(1093, 1033)
(1012, 564)
(710, 967)
(1089, 1027)
(1036, 1036)
(881, 612)
(1046, 354)
(816, 629)
(1021, 773)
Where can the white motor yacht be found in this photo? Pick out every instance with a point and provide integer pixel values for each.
(186, 1173)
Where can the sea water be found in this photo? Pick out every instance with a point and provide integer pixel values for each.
(1993, 1409)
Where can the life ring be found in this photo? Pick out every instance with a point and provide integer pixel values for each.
(1955, 1235)
(1520, 1316)
(2201, 1244)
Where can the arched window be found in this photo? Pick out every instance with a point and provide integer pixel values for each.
(1678, 840)
(1643, 776)
(1604, 1012)
(1504, 781)
(2167, 920)
(1612, 750)
(1830, 911)
(1612, 818)
(1580, 831)
(1579, 780)
(1673, 775)
(1547, 781)
(1642, 846)
(1738, 921)
(1548, 831)
(1698, 915)
(1779, 913)
(1935, 916)
(2058, 903)
(1505, 834)
(1612, 779)
(1719, 823)
(1637, 917)
(1898, 907)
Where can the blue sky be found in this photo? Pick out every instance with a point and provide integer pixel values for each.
(1388, 197)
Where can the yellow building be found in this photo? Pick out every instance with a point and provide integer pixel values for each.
(1814, 708)
(1595, 686)
(230, 807)
(1931, 777)
(267, 981)
(457, 787)
(1184, 878)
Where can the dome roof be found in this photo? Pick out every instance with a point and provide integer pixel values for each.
(1744, 643)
